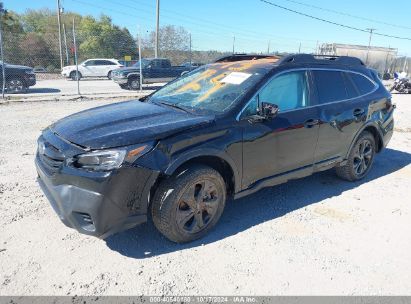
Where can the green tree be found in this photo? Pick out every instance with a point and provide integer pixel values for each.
(13, 33)
(100, 38)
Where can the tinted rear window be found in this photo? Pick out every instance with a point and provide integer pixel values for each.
(364, 85)
(350, 87)
(331, 86)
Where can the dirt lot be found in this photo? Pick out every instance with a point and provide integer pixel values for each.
(314, 236)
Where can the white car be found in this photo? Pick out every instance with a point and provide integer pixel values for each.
(99, 67)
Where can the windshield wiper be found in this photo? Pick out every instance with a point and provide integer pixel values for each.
(173, 105)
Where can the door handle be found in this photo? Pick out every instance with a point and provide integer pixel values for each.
(311, 123)
(358, 112)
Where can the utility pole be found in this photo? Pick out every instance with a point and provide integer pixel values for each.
(405, 64)
(65, 44)
(76, 58)
(139, 59)
(371, 30)
(59, 25)
(157, 29)
(268, 49)
(3, 73)
(190, 52)
(233, 44)
(299, 49)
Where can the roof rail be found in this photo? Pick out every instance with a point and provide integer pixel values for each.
(240, 57)
(321, 59)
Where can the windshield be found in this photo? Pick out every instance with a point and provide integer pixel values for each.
(144, 63)
(214, 87)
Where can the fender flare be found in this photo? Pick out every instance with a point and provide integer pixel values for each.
(367, 125)
(132, 75)
(206, 152)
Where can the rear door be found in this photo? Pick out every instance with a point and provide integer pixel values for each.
(342, 109)
(287, 142)
(105, 66)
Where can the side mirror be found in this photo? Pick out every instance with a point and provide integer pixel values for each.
(149, 66)
(268, 110)
(83, 64)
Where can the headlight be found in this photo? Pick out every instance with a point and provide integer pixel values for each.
(106, 160)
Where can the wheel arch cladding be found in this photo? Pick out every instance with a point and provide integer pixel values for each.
(377, 136)
(217, 163)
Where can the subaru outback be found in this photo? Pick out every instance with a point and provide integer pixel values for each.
(222, 131)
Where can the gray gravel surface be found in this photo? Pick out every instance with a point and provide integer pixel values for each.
(315, 236)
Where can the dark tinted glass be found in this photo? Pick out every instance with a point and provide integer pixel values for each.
(349, 85)
(107, 62)
(331, 86)
(90, 62)
(364, 85)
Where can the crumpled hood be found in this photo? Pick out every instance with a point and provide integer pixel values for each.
(124, 123)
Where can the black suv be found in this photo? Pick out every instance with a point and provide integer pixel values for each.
(224, 130)
(18, 78)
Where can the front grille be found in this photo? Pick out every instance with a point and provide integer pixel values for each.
(50, 156)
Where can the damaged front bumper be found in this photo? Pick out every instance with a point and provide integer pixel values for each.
(96, 203)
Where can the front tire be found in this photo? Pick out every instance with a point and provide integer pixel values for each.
(15, 86)
(360, 159)
(189, 204)
(110, 75)
(134, 83)
(75, 76)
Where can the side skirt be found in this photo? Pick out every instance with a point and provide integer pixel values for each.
(290, 175)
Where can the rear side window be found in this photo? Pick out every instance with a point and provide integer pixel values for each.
(331, 86)
(363, 84)
(350, 87)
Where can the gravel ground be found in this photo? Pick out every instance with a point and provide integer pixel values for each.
(315, 236)
(56, 88)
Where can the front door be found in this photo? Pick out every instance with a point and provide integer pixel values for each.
(287, 142)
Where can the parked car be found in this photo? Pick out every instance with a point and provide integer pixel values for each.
(225, 130)
(39, 70)
(92, 68)
(18, 78)
(192, 65)
(154, 70)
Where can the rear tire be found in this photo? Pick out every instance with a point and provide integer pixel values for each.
(74, 75)
(189, 204)
(360, 159)
(109, 75)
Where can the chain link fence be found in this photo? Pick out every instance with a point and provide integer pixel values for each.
(84, 55)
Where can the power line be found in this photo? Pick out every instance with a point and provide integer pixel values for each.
(204, 22)
(332, 22)
(348, 15)
(247, 38)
